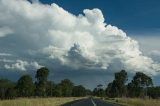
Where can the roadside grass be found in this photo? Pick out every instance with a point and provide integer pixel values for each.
(38, 101)
(134, 101)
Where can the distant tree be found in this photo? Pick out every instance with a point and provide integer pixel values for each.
(50, 88)
(78, 91)
(66, 87)
(99, 86)
(5, 86)
(120, 80)
(112, 90)
(11, 93)
(139, 85)
(25, 86)
(154, 92)
(57, 91)
(131, 90)
(141, 79)
(94, 92)
(88, 92)
(117, 88)
(42, 74)
(108, 89)
(41, 83)
(99, 91)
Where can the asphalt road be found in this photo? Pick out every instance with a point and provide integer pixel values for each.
(89, 102)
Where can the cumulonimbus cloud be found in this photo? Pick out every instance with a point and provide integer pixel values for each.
(83, 41)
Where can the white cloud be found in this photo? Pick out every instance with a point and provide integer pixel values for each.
(6, 60)
(155, 52)
(95, 16)
(23, 65)
(155, 55)
(4, 31)
(5, 54)
(83, 41)
(35, 65)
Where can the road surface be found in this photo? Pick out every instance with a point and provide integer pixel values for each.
(89, 102)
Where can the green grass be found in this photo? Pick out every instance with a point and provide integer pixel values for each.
(38, 101)
(135, 101)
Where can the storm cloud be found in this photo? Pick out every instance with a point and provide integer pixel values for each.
(37, 35)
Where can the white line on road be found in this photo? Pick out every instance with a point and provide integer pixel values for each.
(94, 104)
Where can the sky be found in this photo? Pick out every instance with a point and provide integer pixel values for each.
(131, 16)
(84, 40)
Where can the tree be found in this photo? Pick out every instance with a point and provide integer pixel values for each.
(78, 91)
(88, 92)
(112, 90)
(99, 91)
(50, 88)
(120, 80)
(57, 91)
(139, 85)
(41, 84)
(131, 90)
(142, 80)
(154, 92)
(11, 93)
(108, 89)
(66, 87)
(25, 86)
(5, 86)
(117, 88)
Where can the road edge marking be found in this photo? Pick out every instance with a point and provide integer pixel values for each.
(94, 104)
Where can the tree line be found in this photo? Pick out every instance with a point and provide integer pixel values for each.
(140, 86)
(25, 87)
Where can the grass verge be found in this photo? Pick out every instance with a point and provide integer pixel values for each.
(38, 101)
(134, 101)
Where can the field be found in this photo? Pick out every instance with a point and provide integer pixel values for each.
(136, 101)
(37, 101)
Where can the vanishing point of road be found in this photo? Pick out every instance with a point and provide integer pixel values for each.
(89, 102)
